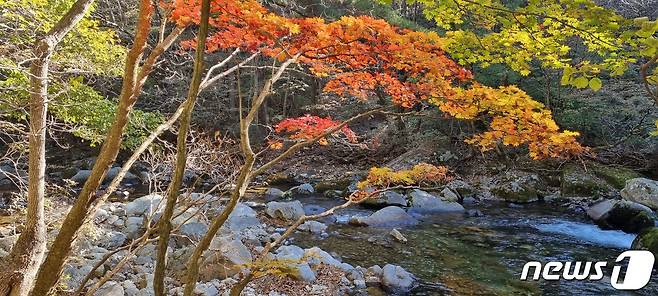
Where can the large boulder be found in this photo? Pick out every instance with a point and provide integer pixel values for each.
(641, 190)
(388, 198)
(518, 187)
(647, 240)
(615, 176)
(396, 280)
(628, 216)
(576, 182)
(289, 211)
(225, 257)
(425, 203)
(387, 217)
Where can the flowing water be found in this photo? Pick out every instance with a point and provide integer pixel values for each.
(456, 255)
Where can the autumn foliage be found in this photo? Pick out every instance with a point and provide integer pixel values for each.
(365, 57)
(420, 174)
(309, 127)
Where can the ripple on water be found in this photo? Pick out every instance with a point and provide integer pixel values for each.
(588, 233)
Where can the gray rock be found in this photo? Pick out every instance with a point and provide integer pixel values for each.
(461, 187)
(194, 230)
(643, 191)
(242, 217)
(295, 253)
(207, 289)
(305, 273)
(289, 211)
(113, 172)
(313, 209)
(305, 188)
(518, 187)
(75, 274)
(224, 258)
(7, 242)
(360, 284)
(111, 288)
(313, 227)
(375, 270)
(112, 240)
(397, 280)
(101, 216)
(386, 217)
(274, 192)
(625, 215)
(147, 204)
(134, 227)
(81, 176)
(599, 210)
(448, 195)
(578, 183)
(129, 288)
(398, 236)
(317, 256)
(290, 252)
(388, 198)
(423, 202)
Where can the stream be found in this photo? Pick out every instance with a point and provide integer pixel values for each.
(456, 255)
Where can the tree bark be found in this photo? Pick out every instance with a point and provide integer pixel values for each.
(181, 153)
(51, 269)
(21, 266)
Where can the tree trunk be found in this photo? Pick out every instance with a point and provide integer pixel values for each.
(51, 269)
(21, 266)
(242, 182)
(181, 153)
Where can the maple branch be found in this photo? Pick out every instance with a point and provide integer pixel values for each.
(644, 73)
(219, 65)
(297, 146)
(557, 19)
(208, 81)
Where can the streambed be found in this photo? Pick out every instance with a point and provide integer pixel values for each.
(456, 255)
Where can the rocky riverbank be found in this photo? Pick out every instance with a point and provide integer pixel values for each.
(613, 199)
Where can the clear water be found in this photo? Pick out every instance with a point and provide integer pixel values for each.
(455, 255)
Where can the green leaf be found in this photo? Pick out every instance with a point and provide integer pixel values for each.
(595, 84)
(581, 82)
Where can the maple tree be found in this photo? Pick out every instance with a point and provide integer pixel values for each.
(365, 57)
(362, 57)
